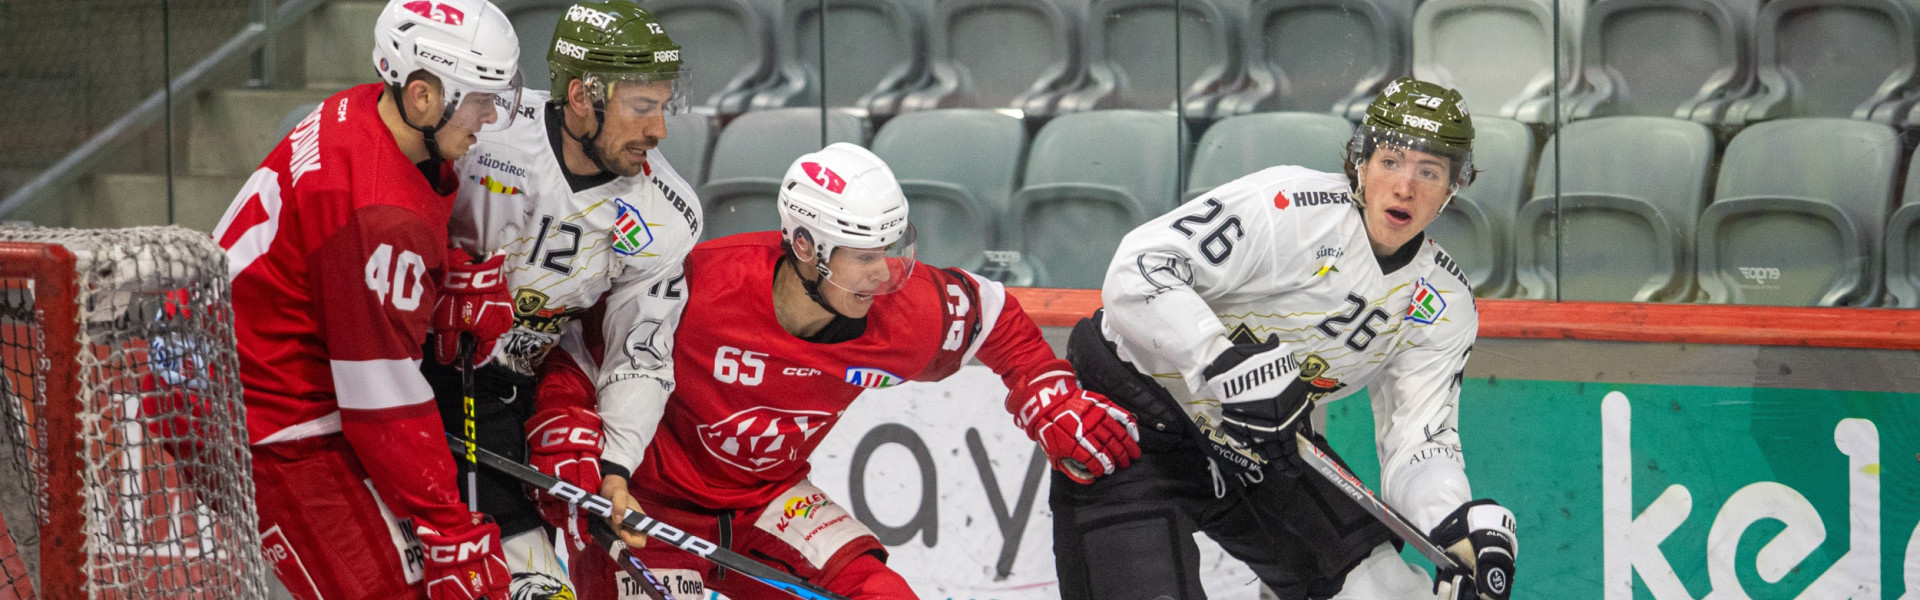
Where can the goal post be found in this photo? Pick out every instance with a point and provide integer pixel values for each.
(120, 408)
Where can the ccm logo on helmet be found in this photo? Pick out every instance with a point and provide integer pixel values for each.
(438, 12)
(589, 16)
(434, 57)
(825, 177)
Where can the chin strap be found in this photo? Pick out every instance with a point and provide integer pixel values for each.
(587, 141)
(812, 287)
(426, 133)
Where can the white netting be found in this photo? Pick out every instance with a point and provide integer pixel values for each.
(165, 479)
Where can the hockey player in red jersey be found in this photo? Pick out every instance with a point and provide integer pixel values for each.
(338, 257)
(782, 331)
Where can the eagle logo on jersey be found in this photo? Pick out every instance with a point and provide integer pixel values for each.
(868, 377)
(540, 586)
(630, 232)
(1427, 304)
(759, 438)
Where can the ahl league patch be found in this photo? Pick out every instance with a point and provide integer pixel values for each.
(630, 232)
(1427, 304)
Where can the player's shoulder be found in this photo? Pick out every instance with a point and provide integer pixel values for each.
(1286, 193)
(751, 246)
(1442, 295)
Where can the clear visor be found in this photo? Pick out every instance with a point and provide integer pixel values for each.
(873, 271)
(637, 95)
(487, 111)
(1409, 149)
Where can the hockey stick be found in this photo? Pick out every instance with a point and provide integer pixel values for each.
(1318, 460)
(467, 344)
(634, 521)
(635, 569)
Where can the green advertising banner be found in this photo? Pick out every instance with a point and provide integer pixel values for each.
(1626, 491)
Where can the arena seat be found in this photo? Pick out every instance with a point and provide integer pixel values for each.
(1131, 57)
(1091, 178)
(689, 143)
(1238, 145)
(1903, 245)
(1797, 214)
(1686, 59)
(1498, 53)
(1834, 58)
(752, 154)
(956, 197)
(1609, 236)
(876, 53)
(1019, 54)
(1474, 228)
(1327, 55)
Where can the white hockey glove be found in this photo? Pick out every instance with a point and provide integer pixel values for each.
(1265, 397)
(1480, 535)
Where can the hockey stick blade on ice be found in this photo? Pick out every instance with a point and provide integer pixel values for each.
(633, 521)
(1321, 463)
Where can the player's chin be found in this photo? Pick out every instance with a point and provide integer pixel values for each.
(856, 305)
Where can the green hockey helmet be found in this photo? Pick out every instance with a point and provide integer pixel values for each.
(612, 41)
(1418, 115)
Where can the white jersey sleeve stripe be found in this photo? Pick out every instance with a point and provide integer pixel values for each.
(993, 299)
(379, 384)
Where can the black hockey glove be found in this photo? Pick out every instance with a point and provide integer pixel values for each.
(1265, 396)
(1480, 535)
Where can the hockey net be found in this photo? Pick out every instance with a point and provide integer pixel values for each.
(123, 428)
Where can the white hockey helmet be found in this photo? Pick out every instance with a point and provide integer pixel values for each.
(845, 197)
(468, 44)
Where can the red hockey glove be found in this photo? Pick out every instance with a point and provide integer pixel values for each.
(565, 443)
(473, 299)
(1083, 434)
(464, 563)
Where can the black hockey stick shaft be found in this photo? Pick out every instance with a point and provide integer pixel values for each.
(472, 467)
(634, 521)
(650, 585)
(1320, 462)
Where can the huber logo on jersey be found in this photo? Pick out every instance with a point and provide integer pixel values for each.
(438, 12)
(871, 378)
(759, 438)
(630, 232)
(825, 177)
(1427, 304)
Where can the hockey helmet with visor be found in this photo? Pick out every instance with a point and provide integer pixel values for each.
(468, 45)
(1417, 115)
(623, 58)
(846, 203)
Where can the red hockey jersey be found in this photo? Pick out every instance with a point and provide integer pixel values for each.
(334, 251)
(751, 401)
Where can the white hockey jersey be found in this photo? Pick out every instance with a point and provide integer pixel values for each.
(1285, 252)
(623, 241)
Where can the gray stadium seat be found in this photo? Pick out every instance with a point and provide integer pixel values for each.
(1131, 56)
(1242, 144)
(1611, 236)
(1020, 54)
(292, 120)
(1498, 53)
(1091, 178)
(1327, 55)
(1686, 59)
(1474, 229)
(1903, 245)
(728, 46)
(957, 197)
(1797, 214)
(1834, 58)
(689, 141)
(752, 154)
(876, 52)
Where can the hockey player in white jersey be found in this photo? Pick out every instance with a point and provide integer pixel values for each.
(1231, 319)
(590, 216)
